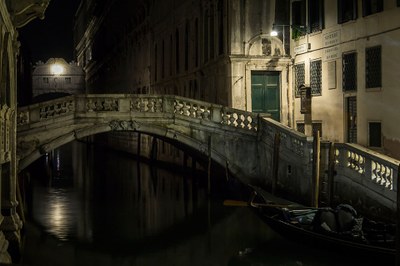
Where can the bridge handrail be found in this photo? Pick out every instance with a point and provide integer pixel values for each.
(142, 103)
(290, 139)
(376, 170)
(45, 110)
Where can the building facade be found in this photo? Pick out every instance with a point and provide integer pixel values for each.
(223, 52)
(13, 15)
(56, 76)
(349, 57)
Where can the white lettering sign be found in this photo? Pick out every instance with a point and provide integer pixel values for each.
(302, 48)
(332, 53)
(332, 38)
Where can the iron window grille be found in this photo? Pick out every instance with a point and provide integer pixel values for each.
(316, 15)
(371, 7)
(373, 67)
(347, 10)
(299, 77)
(375, 134)
(316, 126)
(316, 77)
(349, 71)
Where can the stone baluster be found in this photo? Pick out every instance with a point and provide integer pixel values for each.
(216, 113)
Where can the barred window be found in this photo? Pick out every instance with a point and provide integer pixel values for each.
(316, 77)
(316, 126)
(316, 15)
(299, 77)
(371, 7)
(375, 134)
(373, 67)
(349, 71)
(347, 10)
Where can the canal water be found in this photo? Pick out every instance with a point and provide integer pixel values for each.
(91, 206)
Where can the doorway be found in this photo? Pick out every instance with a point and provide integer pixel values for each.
(265, 95)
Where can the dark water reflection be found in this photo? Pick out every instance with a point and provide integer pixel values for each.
(112, 210)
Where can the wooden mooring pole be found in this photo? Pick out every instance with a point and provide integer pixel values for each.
(209, 166)
(316, 165)
(275, 162)
(398, 218)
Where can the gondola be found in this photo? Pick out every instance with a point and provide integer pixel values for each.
(312, 226)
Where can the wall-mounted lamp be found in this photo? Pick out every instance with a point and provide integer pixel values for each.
(298, 28)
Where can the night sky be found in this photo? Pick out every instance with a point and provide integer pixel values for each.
(52, 36)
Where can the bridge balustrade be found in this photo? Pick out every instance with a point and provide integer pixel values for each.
(243, 140)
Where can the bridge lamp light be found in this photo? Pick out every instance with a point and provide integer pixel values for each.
(56, 69)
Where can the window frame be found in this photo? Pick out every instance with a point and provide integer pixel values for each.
(342, 6)
(373, 68)
(344, 87)
(371, 142)
(313, 89)
(367, 7)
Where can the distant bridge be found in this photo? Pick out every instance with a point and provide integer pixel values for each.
(246, 142)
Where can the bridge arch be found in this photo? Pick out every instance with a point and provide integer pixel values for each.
(232, 133)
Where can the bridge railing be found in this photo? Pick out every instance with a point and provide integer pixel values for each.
(96, 104)
(46, 110)
(377, 172)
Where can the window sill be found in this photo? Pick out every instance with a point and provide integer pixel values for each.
(377, 89)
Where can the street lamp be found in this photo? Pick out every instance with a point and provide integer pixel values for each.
(274, 32)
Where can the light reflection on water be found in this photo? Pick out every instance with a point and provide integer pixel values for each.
(122, 212)
(56, 210)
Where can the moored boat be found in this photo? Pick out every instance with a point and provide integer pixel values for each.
(339, 229)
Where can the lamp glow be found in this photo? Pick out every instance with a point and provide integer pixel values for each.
(274, 33)
(56, 69)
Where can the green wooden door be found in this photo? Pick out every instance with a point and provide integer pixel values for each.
(265, 93)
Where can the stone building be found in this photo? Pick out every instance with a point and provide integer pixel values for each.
(349, 56)
(214, 50)
(13, 15)
(58, 77)
(223, 52)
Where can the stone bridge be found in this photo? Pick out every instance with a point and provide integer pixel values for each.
(242, 140)
(257, 149)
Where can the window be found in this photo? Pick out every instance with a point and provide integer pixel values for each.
(187, 45)
(68, 80)
(347, 10)
(316, 77)
(371, 7)
(177, 51)
(196, 43)
(155, 63)
(220, 27)
(316, 15)
(349, 71)
(171, 55)
(375, 134)
(212, 33)
(205, 36)
(299, 77)
(298, 18)
(316, 126)
(373, 72)
(45, 80)
(163, 60)
(398, 2)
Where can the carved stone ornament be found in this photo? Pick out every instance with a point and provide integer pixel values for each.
(124, 125)
(23, 11)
